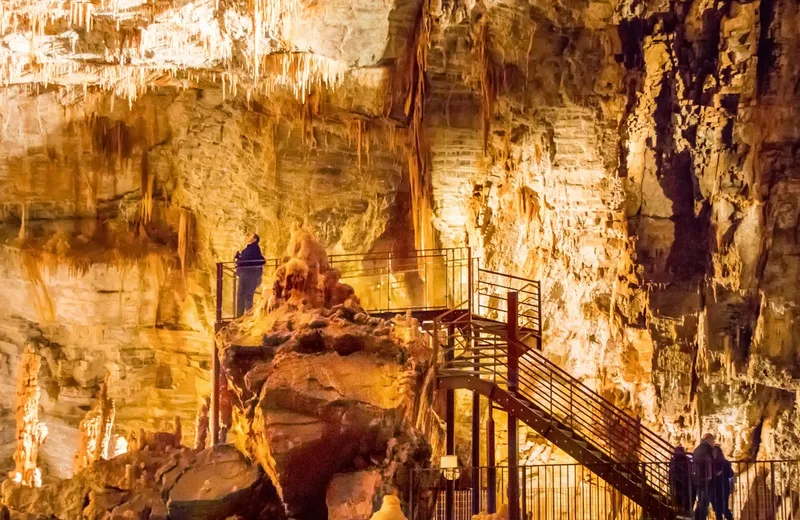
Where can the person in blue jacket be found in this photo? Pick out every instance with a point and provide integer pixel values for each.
(249, 269)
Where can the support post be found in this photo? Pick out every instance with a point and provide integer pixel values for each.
(491, 470)
(524, 493)
(513, 341)
(215, 394)
(513, 468)
(471, 303)
(476, 436)
(450, 440)
(513, 431)
(215, 362)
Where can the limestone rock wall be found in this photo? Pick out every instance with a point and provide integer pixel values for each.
(113, 216)
(640, 158)
(640, 161)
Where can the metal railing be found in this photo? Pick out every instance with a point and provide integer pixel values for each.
(424, 283)
(426, 280)
(232, 294)
(429, 279)
(470, 348)
(491, 301)
(385, 282)
(758, 490)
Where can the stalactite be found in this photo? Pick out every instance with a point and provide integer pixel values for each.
(30, 432)
(147, 192)
(418, 155)
(308, 111)
(201, 425)
(95, 428)
(23, 222)
(300, 72)
(184, 235)
(357, 135)
(491, 80)
(41, 296)
(272, 19)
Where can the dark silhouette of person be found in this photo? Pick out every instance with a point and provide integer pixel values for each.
(722, 482)
(680, 479)
(249, 269)
(702, 474)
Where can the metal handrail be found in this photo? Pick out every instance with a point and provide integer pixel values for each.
(548, 387)
(446, 275)
(761, 489)
(529, 319)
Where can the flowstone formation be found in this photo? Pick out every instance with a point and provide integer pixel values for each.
(330, 401)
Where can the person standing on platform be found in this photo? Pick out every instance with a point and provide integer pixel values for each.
(249, 269)
(702, 473)
(680, 479)
(722, 483)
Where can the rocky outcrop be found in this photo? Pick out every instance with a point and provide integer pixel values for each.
(159, 482)
(321, 390)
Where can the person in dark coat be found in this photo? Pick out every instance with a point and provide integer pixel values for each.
(702, 474)
(249, 269)
(722, 481)
(680, 479)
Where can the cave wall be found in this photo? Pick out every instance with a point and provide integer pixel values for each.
(640, 159)
(114, 214)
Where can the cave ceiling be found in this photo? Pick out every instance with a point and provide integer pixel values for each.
(128, 45)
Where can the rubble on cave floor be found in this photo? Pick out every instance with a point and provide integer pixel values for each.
(156, 482)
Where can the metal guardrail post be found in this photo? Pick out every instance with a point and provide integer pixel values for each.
(513, 467)
(512, 354)
(450, 440)
(539, 311)
(435, 340)
(470, 289)
(476, 430)
(215, 363)
(491, 471)
(513, 340)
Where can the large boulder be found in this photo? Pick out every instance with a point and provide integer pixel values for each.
(221, 482)
(351, 496)
(319, 387)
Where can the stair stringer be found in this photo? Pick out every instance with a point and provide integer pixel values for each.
(566, 439)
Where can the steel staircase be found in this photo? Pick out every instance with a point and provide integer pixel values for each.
(486, 330)
(490, 358)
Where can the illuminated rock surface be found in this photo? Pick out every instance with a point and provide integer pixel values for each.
(319, 392)
(156, 483)
(640, 158)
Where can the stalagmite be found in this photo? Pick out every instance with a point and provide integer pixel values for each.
(390, 510)
(201, 425)
(95, 431)
(30, 432)
(177, 431)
